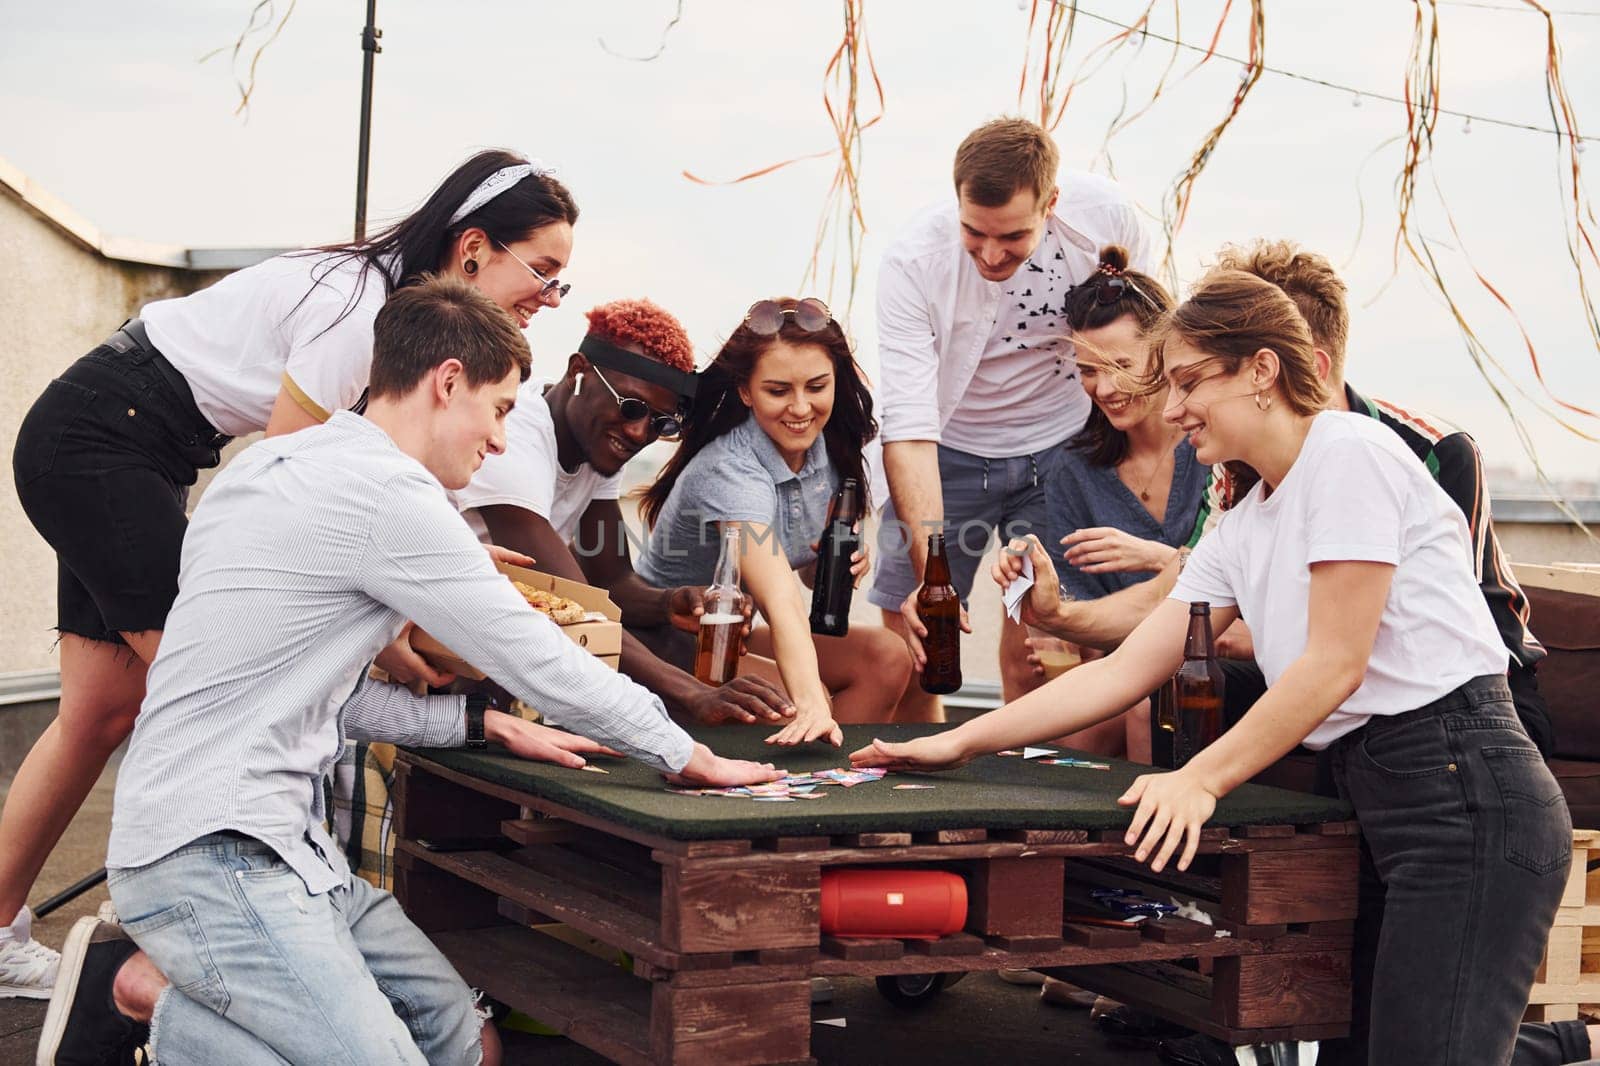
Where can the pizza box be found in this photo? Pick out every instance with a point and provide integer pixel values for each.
(603, 639)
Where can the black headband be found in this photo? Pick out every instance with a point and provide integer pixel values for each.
(602, 352)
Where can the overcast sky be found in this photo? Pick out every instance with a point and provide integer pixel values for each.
(105, 104)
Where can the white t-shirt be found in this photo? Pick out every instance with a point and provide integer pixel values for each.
(1024, 395)
(529, 475)
(1355, 493)
(272, 326)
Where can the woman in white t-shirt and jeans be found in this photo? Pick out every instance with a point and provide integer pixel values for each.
(104, 459)
(1353, 570)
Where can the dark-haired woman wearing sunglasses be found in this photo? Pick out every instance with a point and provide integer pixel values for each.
(780, 418)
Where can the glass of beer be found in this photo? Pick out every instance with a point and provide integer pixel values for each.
(716, 659)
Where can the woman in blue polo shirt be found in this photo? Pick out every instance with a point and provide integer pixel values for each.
(780, 418)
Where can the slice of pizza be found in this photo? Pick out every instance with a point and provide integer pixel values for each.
(561, 610)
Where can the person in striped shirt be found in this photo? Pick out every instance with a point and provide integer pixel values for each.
(308, 555)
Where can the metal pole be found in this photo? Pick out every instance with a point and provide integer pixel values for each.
(369, 48)
(69, 894)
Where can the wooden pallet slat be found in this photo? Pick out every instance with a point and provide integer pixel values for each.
(723, 934)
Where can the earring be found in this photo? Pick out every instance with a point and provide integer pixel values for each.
(470, 266)
(1260, 406)
(577, 384)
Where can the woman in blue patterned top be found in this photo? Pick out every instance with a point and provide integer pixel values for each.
(1123, 496)
(780, 418)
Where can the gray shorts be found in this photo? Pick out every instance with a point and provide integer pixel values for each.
(980, 496)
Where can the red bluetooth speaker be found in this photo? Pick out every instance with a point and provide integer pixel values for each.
(893, 902)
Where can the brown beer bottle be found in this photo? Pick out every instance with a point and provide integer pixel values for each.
(833, 584)
(716, 659)
(1199, 689)
(1164, 725)
(940, 610)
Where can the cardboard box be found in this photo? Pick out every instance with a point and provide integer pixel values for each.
(602, 639)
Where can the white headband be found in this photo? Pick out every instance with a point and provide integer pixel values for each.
(494, 185)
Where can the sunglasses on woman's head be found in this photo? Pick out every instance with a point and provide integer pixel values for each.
(666, 427)
(765, 317)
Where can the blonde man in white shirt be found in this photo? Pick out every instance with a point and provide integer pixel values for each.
(1354, 571)
(979, 384)
(105, 458)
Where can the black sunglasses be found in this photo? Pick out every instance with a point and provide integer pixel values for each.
(664, 426)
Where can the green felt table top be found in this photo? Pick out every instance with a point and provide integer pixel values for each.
(992, 792)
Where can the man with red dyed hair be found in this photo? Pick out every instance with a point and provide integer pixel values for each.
(553, 493)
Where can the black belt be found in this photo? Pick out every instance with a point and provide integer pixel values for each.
(131, 336)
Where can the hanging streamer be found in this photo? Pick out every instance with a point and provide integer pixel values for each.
(849, 72)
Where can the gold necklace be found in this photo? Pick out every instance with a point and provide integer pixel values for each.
(1161, 460)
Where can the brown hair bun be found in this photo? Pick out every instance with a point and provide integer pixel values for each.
(1114, 256)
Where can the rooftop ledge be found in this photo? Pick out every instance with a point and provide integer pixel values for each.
(1544, 510)
(63, 217)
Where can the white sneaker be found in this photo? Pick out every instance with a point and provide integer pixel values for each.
(27, 967)
(108, 913)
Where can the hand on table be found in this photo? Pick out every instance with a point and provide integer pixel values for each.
(810, 723)
(746, 699)
(915, 630)
(938, 752)
(404, 666)
(706, 769)
(1107, 550)
(540, 743)
(1172, 808)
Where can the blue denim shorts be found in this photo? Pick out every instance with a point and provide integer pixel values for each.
(980, 496)
(262, 971)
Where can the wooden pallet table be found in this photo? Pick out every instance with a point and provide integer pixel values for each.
(1566, 979)
(723, 929)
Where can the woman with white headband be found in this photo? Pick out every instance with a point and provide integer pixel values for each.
(105, 458)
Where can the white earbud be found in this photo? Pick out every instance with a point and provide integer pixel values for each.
(577, 384)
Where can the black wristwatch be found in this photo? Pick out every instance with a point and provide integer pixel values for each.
(477, 704)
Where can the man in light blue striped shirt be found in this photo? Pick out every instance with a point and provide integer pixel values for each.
(305, 558)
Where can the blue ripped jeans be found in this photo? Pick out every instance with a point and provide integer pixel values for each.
(262, 972)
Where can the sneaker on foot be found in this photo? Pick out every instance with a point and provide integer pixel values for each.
(82, 1026)
(108, 913)
(27, 967)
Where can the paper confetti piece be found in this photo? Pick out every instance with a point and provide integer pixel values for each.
(837, 1023)
(1082, 764)
(593, 769)
(1034, 753)
(1009, 751)
(898, 787)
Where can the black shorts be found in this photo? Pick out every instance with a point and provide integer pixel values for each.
(103, 464)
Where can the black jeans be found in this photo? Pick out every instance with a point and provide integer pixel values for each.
(1466, 842)
(103, 462)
